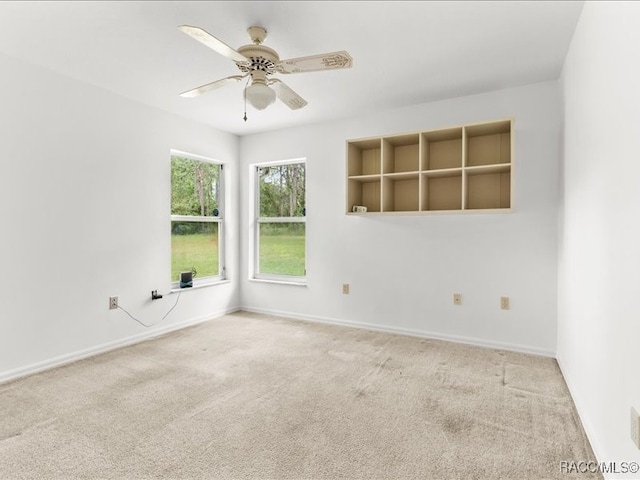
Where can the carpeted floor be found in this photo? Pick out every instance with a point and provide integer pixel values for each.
(251, 396)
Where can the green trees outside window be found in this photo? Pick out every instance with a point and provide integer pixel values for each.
(281, 220)
(196, 218)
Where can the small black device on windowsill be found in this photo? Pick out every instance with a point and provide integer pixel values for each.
(186, 279)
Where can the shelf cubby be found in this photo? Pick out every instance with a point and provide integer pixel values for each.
(365, 191)
(364, 158)
(401, 154)
(442, 190)
(401, 192)
(488, 144)
(442, 149)
(488, 187)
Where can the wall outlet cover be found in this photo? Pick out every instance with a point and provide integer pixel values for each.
(635, 427)
(504, 303)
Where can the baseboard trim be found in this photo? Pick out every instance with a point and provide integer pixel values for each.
(55, 362)
(66, 359)
(582, 413)
(407, 331)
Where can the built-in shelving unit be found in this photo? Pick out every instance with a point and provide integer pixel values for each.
(453, 169)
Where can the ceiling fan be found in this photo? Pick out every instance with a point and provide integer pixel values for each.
(260, 63)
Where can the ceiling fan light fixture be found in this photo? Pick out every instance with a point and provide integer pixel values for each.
(260, 95)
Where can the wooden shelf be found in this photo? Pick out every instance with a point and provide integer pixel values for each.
(445, 172)
(454, 169)
(488, 169)
(365, 178)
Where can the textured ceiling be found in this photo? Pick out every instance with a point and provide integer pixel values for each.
(403, 52)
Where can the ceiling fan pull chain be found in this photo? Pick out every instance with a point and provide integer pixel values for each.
(245, 108)
(244, 94)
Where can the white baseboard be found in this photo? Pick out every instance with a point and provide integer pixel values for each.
(14, 374)
(407, 331)
(582, 413)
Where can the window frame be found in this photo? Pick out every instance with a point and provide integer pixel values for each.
(220, 220)
(258, 220)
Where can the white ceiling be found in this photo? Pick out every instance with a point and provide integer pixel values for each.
(404, 52)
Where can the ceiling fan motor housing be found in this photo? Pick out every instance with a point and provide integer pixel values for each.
(260, 58)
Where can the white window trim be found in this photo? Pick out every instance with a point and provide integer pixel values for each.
(254, 274)
(221, 278)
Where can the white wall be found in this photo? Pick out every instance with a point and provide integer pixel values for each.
(85, 191)
(404, 270)
(599, 253)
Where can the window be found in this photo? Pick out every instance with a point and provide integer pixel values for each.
(197, 218)
(280, 222)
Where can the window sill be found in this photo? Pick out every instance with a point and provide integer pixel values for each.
(279, 282)
(213, 283)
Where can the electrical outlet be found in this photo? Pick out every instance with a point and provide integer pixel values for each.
(635, 427)
(113, 303)
(345, 288)
(504, 303)
(457, 299)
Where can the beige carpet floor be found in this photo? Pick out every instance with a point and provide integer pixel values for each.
(250, 396)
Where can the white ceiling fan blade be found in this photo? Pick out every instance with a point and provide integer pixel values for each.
(213, 43)
(212, 86)
(323, 61)
(290, 98)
